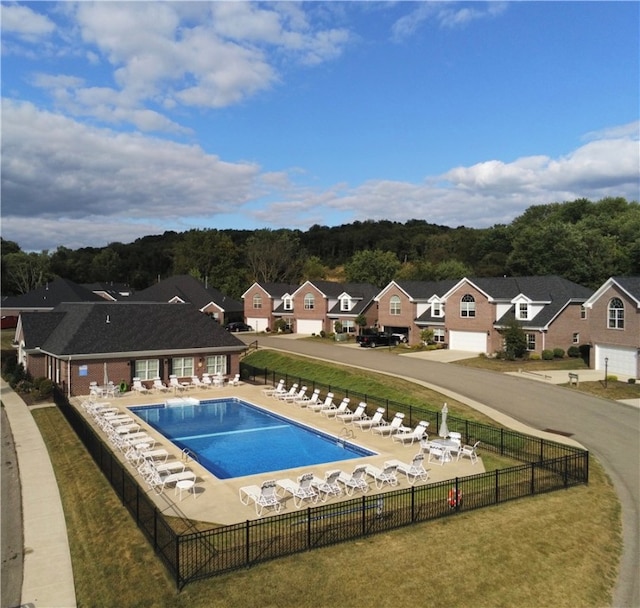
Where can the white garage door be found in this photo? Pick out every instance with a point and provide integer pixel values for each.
(622, 361)
(307, 326)
(258, 324)
(474, 341)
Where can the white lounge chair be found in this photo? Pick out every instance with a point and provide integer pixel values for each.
(197, 383)
(334, 411)
(158, 481)
(385, 475)
(206, 381)
(235, 380)
(268, 392)
(360, 412)
(437, 453)
(354, 481)
(412, 435)
(301, 491)
(366, 423)
(159, 385)
(470, 451)
(264, 497)
(138, 386)
(328, 486)
(284, 395)
(305, 401)
(324, 405)
(392, 427)
(175, 384)
(414, 470)
(299, 395)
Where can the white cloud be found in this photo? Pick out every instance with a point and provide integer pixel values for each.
(23, 22)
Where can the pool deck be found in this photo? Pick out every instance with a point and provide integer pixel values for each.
(217, 501)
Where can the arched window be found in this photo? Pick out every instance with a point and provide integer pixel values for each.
(394, 305)
(309, 301)
(257, 301)
(616, 314)
(468, 306)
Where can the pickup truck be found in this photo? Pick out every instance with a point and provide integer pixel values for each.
(373, 339)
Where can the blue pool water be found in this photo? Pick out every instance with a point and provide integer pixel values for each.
(233, 438)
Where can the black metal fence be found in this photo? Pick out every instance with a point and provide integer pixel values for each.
(193, 556)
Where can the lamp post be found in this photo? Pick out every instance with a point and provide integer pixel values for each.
(606, 371)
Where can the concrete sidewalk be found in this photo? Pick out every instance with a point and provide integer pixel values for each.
(48, 573)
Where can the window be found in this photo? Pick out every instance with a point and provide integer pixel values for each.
(523, 311)
(583, 312)
(438, 334)
(394, 305)
(576, 338)
(345, 304)
(531, 341)
(217, 364)
(309, 301)
(436, 309)
(288, 303)
(147, 369)
(468, 306)
(616, 314)
(348, 327)
(257, 301)
(182, 366)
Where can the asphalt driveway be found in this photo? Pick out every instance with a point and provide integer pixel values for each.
(610, 430)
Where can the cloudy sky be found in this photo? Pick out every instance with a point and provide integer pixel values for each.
(122, 119)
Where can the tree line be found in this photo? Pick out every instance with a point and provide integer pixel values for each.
(581, 240)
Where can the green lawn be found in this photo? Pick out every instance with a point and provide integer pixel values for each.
(527, 553)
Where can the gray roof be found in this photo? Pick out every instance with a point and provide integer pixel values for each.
(122, 327)
(50, 295)
(423, 290)
(629, 284)
(190, 290)
(277, 290)
(538, 289)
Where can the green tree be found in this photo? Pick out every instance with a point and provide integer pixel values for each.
(274, 256)
(372, 266)
(24, 272)
(515, 341)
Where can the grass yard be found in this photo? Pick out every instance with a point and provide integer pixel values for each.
(527, 553)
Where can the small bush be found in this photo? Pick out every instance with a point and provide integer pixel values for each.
(558, 353)
(631, 380)
(573, 352)
(534, 356)
(547, 355)
(323, 334)
(612, 378)
(45, 388)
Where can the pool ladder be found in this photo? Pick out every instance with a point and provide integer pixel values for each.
(188, 455)
(344, 435)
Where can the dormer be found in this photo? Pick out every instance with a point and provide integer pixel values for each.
(287, 302)
(523, 308)
(437, 307)
(346, 303)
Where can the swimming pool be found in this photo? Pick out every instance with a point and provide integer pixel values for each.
(234, 438)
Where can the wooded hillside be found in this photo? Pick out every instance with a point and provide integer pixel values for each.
(583, 241)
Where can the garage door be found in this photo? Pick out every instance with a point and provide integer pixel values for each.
(306, 326)
(258, 324)
(621, 361)
(474, 341)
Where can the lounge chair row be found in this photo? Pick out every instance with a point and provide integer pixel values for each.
(140, 449)
(176, 385)
(309, 488)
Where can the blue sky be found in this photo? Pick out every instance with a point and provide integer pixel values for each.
(123, 119)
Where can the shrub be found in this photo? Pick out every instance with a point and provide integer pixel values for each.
(573, 352)
(631, 380)
(612, 378)
(558, 353)
(547, 355)
(45, 388)
(9, 365)
(534, 356)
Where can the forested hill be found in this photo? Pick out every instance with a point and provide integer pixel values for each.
(583, 241)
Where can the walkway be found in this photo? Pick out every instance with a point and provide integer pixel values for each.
(47, 570)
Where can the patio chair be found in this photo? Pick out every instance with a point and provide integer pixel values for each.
(360, 412)
(411, 435)
(301, 491)
(414, 470)
(328, 486)
(324, 405)
(305, 401)
(354, 481)
(437, 453)
(392, 427)
(235, 380)
(470, 451)
(385, 475)
(175, 384)
(158, 481)
(138, 386)
(268, 392)
(366, 423)
(284, 395)
(197, 383)
(206, 381)
(334, 411)
(159, 386)
(299, 395)
(264, 497)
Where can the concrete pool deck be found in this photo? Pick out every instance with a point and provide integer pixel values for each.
(216, 501)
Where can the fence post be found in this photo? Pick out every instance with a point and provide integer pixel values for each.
(308, 527)
(413, 503)
(533, 479)
(246, 543)
(364, 526)
(497, 486)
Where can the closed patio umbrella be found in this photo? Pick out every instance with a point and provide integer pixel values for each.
(105, 379)
(444, 431)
